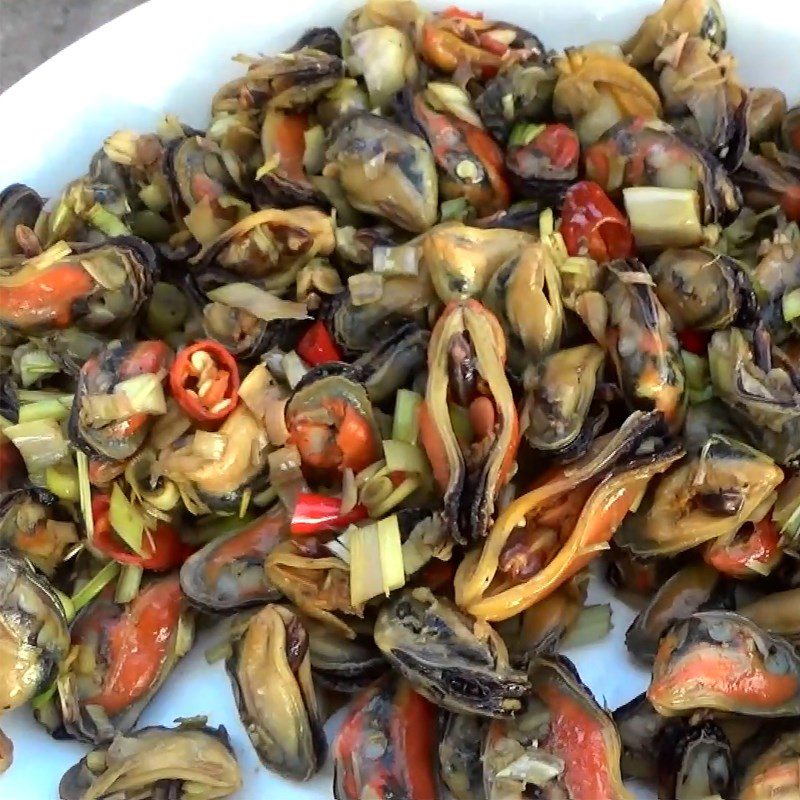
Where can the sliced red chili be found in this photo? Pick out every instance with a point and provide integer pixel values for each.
(559, 143)
(316, 513)
(591, 223)
(204, 380)
(694, 341)
(317, 346)
(163, 548)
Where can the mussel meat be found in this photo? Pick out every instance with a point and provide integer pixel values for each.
(720, 660)
(228, 573)
(270, 671)
(460, 747)
(465, 362)
(775, 773)
(34, 638)
(191, 760)
(454, 661)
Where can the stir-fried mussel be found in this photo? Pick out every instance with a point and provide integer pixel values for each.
(720, 660)
(126, 653)
(424, 330)
(270, 671)
(385, 746)
(191, 760)
(562, 745)
(34, 638)
(457, 662)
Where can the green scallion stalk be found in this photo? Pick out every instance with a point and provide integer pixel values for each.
(95, 585)
(102, 219)
(62, 480)
(404, 457)
(130, 579)
(40, 442)
(125, 521)
(34, 366)
(524, 133)
(405, 424)
(377, 545)
(43, 409)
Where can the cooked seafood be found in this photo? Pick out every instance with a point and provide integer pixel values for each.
(428, 327)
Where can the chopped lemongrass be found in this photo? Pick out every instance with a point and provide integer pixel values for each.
(66, 603)
(459, 420)
(125, 520)
(260, 303)
(377, 469)
(401, 493)
(62, 481)
(145, 393)
(244, 504)
(365, 288)
(405, 457)
(85, 493)
(101, 218)
(791, 305)
(40, 442)
(36, 365)
(592, 624)
(130, 580)
(96, 585)
(294, 368)
(663, 217)
(405, 424)
(33, 395)
(376, 491)
(376, 560)
(43, 409)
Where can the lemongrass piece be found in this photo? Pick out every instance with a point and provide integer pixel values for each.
(130, 580)
(376, 560)
(62, 481)
(294, 367)
(43, 409)
(401, 493)
(85, 493)
(40, 443)
(405, 457)
(36, 365)
(260, 303)
(125, 520)
(96, 585)
(405, 423)
(662, 217)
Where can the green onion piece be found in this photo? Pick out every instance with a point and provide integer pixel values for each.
(401, 493)
(405, 457)
(125, 521)
(95, 585)
(592, 624)
(44, 697)
(405, 424)
(791, 305)
(524, 133)
(36, 365)
(85, 492)
(376, 545)
(130, 579)
(43, 409)
(663, 217)
(462, 427)
(66, 603)
(62, 481)
(40, 442)
(102, 219)
(167, 309)
(456, 209)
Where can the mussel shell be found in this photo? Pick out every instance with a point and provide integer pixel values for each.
(34, 638)
(270, 672)
(228, 573)
(772, 773)
(639, 726)
(695, 762)
(721, 660)
(94, 708)
(697, 587)
(790, 131)
(9, 398)
(99, 375)
(19, 205)
(327, 40)
(777, 274)
(385, 746)
(434, 646)
(157, 764)
(341, 664)
(402, 187)
(701, 289)
(460, 745)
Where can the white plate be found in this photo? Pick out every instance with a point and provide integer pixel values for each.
(170, 56)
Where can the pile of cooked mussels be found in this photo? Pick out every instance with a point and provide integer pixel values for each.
(430, 323)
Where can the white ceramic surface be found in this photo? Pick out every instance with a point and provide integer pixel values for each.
(170, 56)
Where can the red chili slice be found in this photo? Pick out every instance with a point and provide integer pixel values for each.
(316, 513)
(694, 341)
(591, 223)
(204, 380)
(317, 346)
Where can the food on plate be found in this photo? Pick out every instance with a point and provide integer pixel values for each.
(429, 329)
